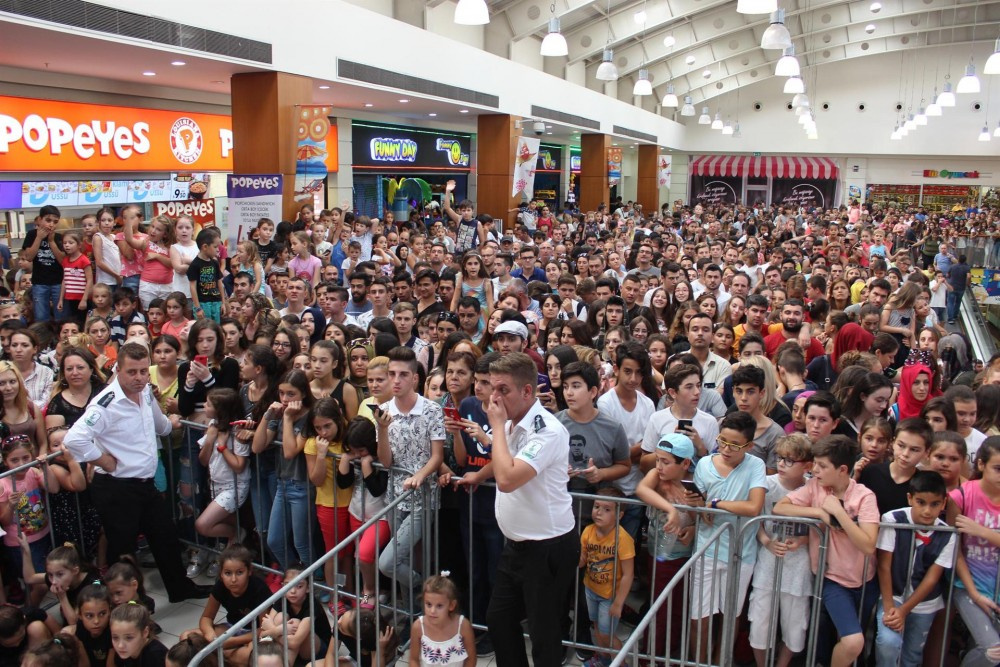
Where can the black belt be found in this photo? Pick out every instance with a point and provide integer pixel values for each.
(526, 544)
(134, 480)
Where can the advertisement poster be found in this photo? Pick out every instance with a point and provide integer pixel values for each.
(614, 167)
(986, 286)
(315, 152)
(525, 159)
(150, 191)
(45, 193)
(807, 194)
(712, 190)
(251, 197)
(202, 211)
(663, 171)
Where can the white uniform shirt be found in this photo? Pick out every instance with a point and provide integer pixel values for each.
(115, 425)
(542, 508)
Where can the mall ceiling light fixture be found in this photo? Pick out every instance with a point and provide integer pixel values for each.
(934, 109)
(324, 87)
(794, 86)
(707, 74)
(463, 111)
(472, 12)
(985, 134)
(756, 6)
(910, 124)
(727, 129)
(642, 85)
(669, 41)
(368, 105)
(688, 108)
(149, 73)
(178, 63)
(404, 101)
(554, 43)
(704, 118)
(946, 98)
(800, 100)
(970, 82)
(434, 115)
(639, 17)
(776, 36)
(921, 116)
(717, 123)
(607, 71)
(736, 131)
(870, 28)
(689, 60)
(896, 136)
(788, 64)
(992, 65)
(875, 7)
(996, 132)
(670, 99)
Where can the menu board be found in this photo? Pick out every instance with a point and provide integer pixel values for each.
(101, 193)
(43, 193)
(35, 194)
(143, 191)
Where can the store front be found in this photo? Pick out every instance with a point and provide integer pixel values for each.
(82, 157)
(400, 169)
(791, 181)
(548, 176)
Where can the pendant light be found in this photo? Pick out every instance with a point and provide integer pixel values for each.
(910, 124)
(736, 131)
(801, 111)
(688, 108)
(472, 12)
(642, 85)
(996, 132)
(946, 98)
(794, 86)
(727, 129)
(896, 136)
(788, 64)
(776, 36)
(554, 43)
(985, 134)
(921, 117)
(800, 100)
(934, 109)
(704, 118)
(717, 123)
(992, 65)
(669, 41)
(756, 6)
(670, 99)
(968, 83)
(607, 71)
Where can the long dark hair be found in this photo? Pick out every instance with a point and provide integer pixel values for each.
(220, 342)
(263, 356)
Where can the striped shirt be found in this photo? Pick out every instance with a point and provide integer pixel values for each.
(75, 277)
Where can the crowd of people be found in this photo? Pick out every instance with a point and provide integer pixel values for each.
(682, 369)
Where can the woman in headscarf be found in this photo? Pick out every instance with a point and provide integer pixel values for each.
(916, 387)
(822, 371)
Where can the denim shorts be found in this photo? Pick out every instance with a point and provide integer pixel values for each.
(841, 603)
(599, 610)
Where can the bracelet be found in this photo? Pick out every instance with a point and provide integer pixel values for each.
(220, 448)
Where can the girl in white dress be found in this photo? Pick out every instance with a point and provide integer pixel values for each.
(440, 636)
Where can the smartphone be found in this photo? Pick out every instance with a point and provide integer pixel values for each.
(544, 387)
(691, 487)
(201, 359)
(377, 411)
(684, 425)
(452, 413)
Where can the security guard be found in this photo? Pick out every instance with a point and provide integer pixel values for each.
(117, 433)
(534, 511)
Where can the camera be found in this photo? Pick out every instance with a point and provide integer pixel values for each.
(538, 127)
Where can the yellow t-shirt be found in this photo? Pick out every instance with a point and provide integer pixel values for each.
(328, 495)
(602, 563)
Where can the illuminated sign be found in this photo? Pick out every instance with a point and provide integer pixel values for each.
(944, 173)
(453, 149)
(392, 149)
(384, 147)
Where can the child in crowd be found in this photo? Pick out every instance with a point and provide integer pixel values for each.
(370, 640)
(607, 555)
(783, 540)
(266, 247)
(441, 637)
(226, 459)
(78, 276)
(247, 261)
(890, 481)
(205, 277)
(304, 264)
(125, 314)
(876, 434)
(279, 264)
(64, 576)
(132, 638)
(100, 299)
(92, 627)
(832, 497)
(183, 652)
(20, 631)
(61, 651)
(947, 458)
(157, 315)
(351, 262)
(292, 622)
(735, 483)
(910, 566)
(178, 322)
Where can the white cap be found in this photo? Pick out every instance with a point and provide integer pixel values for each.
(512, 327)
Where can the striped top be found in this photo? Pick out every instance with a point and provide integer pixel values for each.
(75, 277)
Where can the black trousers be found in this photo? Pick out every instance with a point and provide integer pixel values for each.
(532, 582)
(128, 507)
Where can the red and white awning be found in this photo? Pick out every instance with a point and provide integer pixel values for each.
(773, 166)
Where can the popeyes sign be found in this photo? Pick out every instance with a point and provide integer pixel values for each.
(42, 135)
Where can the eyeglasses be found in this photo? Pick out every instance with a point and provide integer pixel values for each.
(278, 343)
(731, 446)
(789, 462)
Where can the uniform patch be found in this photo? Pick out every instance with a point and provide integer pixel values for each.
(530, 450)
(91, 418)
(105, 400)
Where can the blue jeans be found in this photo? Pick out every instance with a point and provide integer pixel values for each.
(132, 282)
(263, 489)
(288, 531)
(45, 299)
(954, 303)
(395, 560)
(906, 649)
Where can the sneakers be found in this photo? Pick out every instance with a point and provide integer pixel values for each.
(484, 645)
(342, 607)
(213, 570)
(198, 562)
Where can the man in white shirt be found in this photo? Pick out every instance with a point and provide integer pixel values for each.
(683, 385)
(118, 434)
(714, 369)
(378, 294)
(297, 292)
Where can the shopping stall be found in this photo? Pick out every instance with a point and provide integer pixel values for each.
(793, 181)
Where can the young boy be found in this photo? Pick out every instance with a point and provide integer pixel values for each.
(348, 266)
(470, 232)
(964, 400)
(205, 277)
(607, 553)
(266, 248)
(822, 414)
(793, 455)
(125, 314)
(157, 314)
(683, 385)
(909, 607)
(834, 498)
(748, 395)
(735, 483)
(890, 482)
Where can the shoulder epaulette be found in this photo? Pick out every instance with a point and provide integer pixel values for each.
(105, 401)
(539, 423)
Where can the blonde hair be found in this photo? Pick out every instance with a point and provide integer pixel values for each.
(250, 248)
(168, 229)
(795, 445)
(21, 400)
(303, 238)
(378, 363)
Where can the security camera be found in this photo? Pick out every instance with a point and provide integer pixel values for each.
(538, 127)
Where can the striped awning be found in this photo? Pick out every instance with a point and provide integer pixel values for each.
(773, 166)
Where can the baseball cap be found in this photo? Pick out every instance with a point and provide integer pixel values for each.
(677, 444)
(512, 327)
(507, 239)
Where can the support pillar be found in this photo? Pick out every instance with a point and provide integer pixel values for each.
(265, 126)
(497, 140)
(647, 185)
(594, 189)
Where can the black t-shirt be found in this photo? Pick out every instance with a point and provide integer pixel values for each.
(266, 252)
(888, 494)
(96, 648)
(10, 656)
(154, 655)
(91, 576)
(320, 620)
(436, 307)
(206, 275)
(45, 270)
(238, 608)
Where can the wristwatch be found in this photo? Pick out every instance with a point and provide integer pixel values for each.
(715, 503)
(222, 448)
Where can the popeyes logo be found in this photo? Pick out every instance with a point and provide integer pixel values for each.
(42, 135)
(201, 211)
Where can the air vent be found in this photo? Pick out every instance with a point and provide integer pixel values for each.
(635, 134)
(347, 69)
(567, 118)
(80, 14)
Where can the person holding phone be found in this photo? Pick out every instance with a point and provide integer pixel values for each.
(683, 384)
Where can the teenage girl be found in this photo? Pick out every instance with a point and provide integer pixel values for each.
(324, 433)
(440, 636)
(947, 457)
(226, 460)
(107, 256)
(899, 319)
(64, 576)
(22, 509)
(132, 638)
(238, 592)
(290, 621)
(357, 365)
(978, 505)
(157, 277)
(248, 261)
(100, 344)
(876, 435)
(61, 651)
(178, 322)
(92, 627)
(182, 252)
(474, 280)
(304, 264)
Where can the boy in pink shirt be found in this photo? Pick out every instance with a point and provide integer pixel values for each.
(850, 510)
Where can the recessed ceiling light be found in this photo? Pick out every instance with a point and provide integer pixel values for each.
(432, 115)
(149, 73)
(614, 144)
(218, 81)
(689, 60)
(548, 133)
(178, 63)
(404, 101)
(324, 87)
(368, 105)
(463, 111)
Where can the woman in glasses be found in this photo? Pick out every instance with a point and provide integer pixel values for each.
(285, 346)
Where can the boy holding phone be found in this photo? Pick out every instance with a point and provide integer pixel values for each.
(683, 385)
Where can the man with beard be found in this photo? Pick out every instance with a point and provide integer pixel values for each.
(791, 326)
(714, 369)
(359, 303)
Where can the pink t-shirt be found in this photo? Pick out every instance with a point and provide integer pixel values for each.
(980, 555)
(156, 272)
(132, 267)
(30, 510)
(304, 268)
(178, 332)
(845, 564)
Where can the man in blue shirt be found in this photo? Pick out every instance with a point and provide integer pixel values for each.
(958, 280)
(526, 270)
